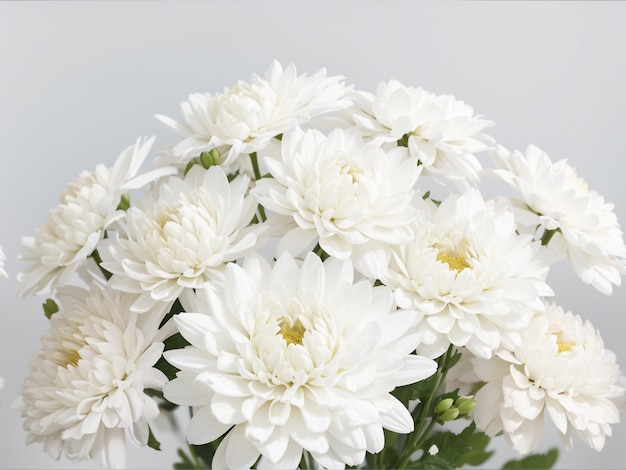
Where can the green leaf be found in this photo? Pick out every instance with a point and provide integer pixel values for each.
(153, 443)
(205, 452)
(176, 341)
(185, 462)
(467, 447)
(50, 307)
(231, 176)
(173, 342)
(535, 461)
(432, 461)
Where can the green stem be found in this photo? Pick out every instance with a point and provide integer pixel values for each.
(380, 459)
(425, 434)
(319, 251)
(417, 437)
(257, 176)
(196, 461)
(255, 166)
(547, 236)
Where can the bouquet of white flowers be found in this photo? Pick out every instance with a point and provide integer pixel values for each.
(313, 272)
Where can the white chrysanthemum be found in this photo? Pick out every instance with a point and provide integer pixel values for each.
(442, 132)
(475, 281)
(85, 391)
(291, 358)
(244, 118)
(88, 206)
(555, 198)
(561, 368)
(341, 190)
(2, 260)
(181, 236)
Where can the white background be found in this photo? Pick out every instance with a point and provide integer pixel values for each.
(81, 81)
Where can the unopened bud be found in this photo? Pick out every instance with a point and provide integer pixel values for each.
(210, 158)
(449, 415)
(443, 405)
(465, 405)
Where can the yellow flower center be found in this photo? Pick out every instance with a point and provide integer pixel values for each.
(563, 346)
(70, 358)
(292, 332)
(455, 262)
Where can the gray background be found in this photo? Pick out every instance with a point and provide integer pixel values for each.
(81, 81)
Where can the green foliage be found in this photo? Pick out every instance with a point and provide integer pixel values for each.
(186, 462)
(153, 443)
(199, 456)
(231, 176)
(455, 450)
(403, 141)
(175, 341)
(535, 461)
(50, 307)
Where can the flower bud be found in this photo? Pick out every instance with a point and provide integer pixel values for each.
(448, 415)
(443, 405)
(465, 405)
(210, 158)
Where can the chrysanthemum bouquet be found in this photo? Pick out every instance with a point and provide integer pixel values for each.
(313, 272)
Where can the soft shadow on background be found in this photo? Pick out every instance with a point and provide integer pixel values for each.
(81, 81)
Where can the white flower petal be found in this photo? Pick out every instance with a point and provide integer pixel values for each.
(204, 428)
(240, 453)
(85, 392)
(282, 346)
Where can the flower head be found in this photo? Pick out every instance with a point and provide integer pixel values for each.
(294, 357)
(475, 281)
(243, 119)
(561, 368)
(85, 391)
(181, 235)
(442, 132)
(555, 198)
(88, 207)
(340, 190)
